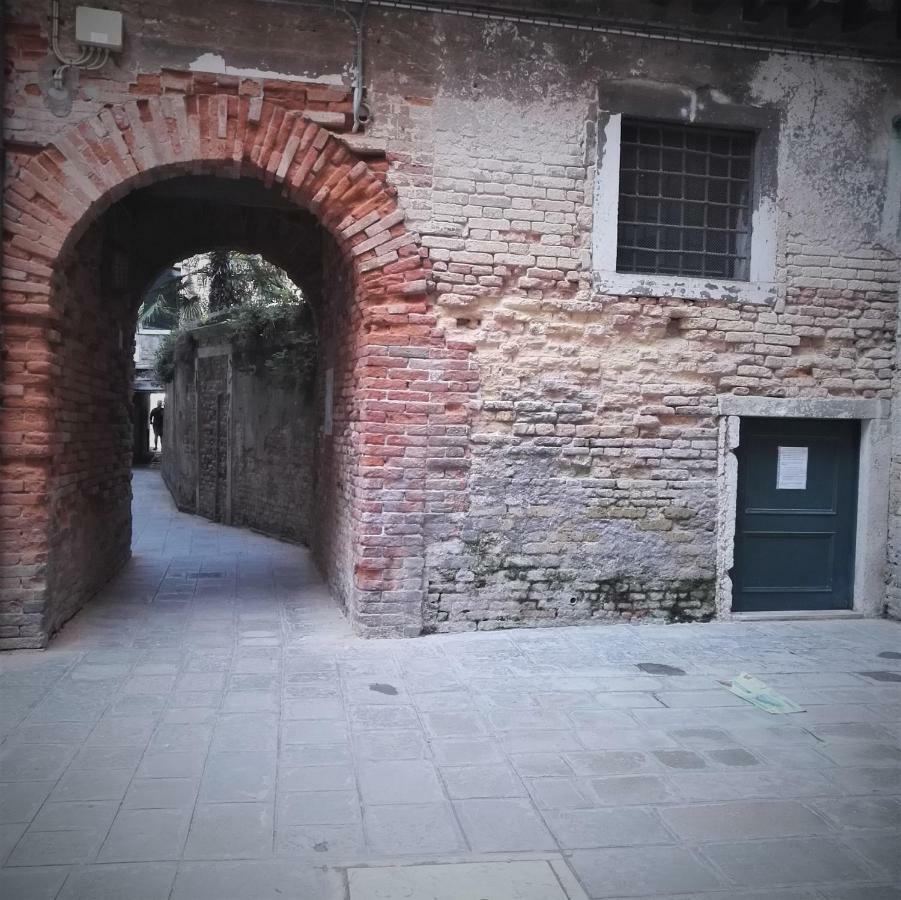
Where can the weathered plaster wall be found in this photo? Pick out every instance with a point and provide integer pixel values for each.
(273, 437)
(239, 447)
(213, 393)
(179, 458)
(593, 446)
(147, 342)
(581, 482)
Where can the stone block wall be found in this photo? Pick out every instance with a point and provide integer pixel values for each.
(337, 450)
(893, 562)
(893, 573)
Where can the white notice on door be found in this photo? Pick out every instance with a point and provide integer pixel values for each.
(791, 473)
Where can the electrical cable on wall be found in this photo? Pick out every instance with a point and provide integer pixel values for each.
(90, 58)
(98, 33)
(360, 117)
(361, 113)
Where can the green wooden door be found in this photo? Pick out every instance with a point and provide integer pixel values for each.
(796, 511)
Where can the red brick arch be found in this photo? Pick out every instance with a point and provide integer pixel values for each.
(52, 201)
(57, 195)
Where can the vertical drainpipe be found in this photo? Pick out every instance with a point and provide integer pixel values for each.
(360, 110)
(359, 117)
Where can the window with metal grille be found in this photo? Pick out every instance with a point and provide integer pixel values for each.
(684, 200)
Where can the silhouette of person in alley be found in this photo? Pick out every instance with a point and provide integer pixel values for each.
(156, 423)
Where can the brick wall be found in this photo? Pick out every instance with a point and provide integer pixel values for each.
(593, 489)
(510, 445)
(90, 474)
(352, 201)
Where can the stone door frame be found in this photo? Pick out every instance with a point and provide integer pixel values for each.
(873, 487)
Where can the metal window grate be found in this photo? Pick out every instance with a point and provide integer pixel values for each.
(684, 200)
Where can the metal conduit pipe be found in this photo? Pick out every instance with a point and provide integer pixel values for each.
(358, 79)
(360, 111)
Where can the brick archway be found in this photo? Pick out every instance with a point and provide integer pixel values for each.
(404, 389)
(56, 196)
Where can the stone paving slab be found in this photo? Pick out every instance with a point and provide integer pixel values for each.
(517, 880)
(227, 737)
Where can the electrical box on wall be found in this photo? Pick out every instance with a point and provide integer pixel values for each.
(98, 28)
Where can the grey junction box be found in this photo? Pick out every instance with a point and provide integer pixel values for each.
(98, 28)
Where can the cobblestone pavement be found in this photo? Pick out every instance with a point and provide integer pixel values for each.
(209, 728)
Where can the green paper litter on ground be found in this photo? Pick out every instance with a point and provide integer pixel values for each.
(762, 695)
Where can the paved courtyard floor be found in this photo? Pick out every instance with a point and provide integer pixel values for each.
(208, 727)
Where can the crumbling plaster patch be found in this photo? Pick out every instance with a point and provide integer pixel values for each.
(831, 124)
(215, 63)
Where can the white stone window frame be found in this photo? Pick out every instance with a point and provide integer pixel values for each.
(874, 464)
(684, 108)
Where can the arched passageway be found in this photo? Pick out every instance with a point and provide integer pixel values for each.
(152, 228)
(90, 222)
(243, 422)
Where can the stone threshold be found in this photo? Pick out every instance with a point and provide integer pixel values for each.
(778, 615)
